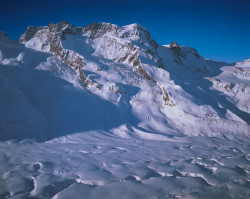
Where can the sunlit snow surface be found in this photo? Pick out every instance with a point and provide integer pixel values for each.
(99, 165)
(60, 139)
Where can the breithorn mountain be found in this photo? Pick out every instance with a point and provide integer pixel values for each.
(146, 90)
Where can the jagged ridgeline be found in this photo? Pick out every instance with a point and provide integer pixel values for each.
(50, 38)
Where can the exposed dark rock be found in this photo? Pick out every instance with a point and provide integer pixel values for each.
(176, 51)
(174, 45)
(137, 62)
(53, 34)
(134, 58)
(142, 32)
(51, 37)
(229, 86)
(98, 29)
(195, 52)
(145, 74)
(29, 34)
(166, 98)
(239, 69)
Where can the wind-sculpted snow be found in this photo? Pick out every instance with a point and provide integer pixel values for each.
(101, 165)
(103, 111)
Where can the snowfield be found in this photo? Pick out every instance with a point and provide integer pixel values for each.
(101, 165)
(105, 112)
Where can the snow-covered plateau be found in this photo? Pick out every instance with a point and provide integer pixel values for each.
(104, 111)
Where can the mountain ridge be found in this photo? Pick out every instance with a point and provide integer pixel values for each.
(167, 90)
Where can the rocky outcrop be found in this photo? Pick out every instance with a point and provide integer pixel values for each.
(143, 33)
(98, 29)
(166, 98)
(183, 53)
(51, 36)
(174, 46)
(29, 34)
(176, 50)
(123, 51)
(241, 69)
(145, 74)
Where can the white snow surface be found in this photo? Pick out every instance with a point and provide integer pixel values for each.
(184, 133)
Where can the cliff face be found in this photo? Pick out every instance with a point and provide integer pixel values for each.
(49, 39)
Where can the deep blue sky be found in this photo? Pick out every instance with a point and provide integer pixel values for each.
(218, 29)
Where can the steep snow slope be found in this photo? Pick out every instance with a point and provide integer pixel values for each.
(42, 98)
(159, 89)
(234, 81)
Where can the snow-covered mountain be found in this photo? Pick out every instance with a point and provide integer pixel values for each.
(104, 111)
(164, 89)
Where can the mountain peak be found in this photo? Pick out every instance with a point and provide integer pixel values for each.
(135, 26)
(99, 29)
(174, 45)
